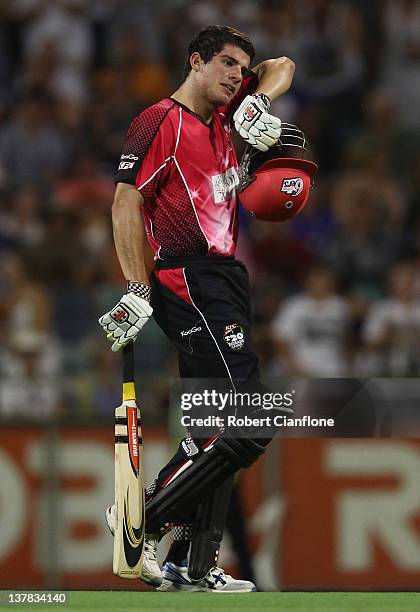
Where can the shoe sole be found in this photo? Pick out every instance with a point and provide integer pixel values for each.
(168, 586)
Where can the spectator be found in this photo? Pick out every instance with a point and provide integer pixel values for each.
(26, 302)
(329, 54)
(328, 48)
(370, 218)
(383, 133)
(63, 28)
(275, 246)
(316, 225)
(410, 246)
(145, 78)
(311, 329)
(32, 149)
(21, 224)
(401, 62)
(392, 328)
(29, 381)
(30, 360)
(374, 180)
(141, 18)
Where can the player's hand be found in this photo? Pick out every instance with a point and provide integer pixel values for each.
(123, 323)
(256, 126)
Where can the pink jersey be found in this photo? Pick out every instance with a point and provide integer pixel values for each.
(187, 173)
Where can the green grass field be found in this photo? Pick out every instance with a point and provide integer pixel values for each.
(120, 601)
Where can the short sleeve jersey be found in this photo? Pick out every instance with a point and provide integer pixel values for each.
(187, 173)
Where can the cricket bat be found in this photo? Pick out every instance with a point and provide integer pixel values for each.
(129, 489)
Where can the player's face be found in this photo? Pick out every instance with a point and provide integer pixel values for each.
(222, 76)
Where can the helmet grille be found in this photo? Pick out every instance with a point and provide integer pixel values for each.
(292, 143)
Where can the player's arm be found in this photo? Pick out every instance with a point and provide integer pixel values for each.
(275, 77)
(134, 252)
(147, 148)
(252, 120)
(123, 323)
(129, 236)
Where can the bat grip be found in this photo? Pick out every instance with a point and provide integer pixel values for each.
(128, 363)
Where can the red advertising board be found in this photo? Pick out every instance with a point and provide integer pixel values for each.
(19, 515)
(55, 487)
(352, 518)
(322, 514)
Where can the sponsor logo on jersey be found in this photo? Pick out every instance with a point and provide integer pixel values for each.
(292, 186)
(129, 156)
(234, 336)
(125, 165)
(188, 332)
(224, 185)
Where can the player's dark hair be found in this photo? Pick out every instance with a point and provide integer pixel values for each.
(211, 40)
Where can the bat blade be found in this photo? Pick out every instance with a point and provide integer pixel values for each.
(129, 488)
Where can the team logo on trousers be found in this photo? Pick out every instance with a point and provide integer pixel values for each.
(234, 336)
(189, 446)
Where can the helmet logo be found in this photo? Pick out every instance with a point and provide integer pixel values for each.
(292, 186)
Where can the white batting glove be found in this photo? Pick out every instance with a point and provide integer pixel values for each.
(123, 323)
(256, 126)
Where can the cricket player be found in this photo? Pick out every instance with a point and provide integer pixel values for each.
(175, 223)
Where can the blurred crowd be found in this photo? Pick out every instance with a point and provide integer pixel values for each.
(336, 291)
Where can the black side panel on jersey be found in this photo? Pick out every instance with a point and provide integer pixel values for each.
(140, 136)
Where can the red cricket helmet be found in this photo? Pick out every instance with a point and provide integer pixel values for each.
(274, 186)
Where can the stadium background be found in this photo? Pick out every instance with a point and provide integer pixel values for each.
(335, 292)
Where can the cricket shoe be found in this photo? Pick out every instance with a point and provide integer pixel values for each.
(150, 570)
(175, 578)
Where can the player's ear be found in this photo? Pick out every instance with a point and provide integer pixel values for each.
(196, 61)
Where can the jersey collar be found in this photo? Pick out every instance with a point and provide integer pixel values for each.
(188, 110)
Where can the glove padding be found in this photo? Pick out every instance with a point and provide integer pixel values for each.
(123, 323)
(256, 126)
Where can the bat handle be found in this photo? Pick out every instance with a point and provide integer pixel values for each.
(129, 392)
